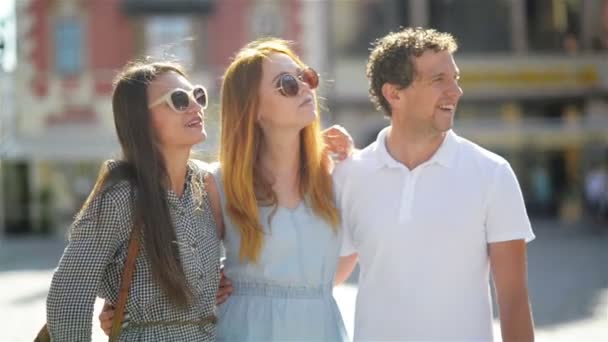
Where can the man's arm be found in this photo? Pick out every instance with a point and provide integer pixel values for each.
(346, 264)
(509, 271)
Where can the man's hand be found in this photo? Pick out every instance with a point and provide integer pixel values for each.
(338, 141)
(105, 317)
(225, 289)
(345, 267)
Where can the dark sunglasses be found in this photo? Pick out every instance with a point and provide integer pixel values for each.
(179, 99)
(289, 85)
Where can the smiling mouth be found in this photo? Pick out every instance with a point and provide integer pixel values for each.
(194, 122)
(449, 108)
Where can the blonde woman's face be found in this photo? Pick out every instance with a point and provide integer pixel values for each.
(278, 110)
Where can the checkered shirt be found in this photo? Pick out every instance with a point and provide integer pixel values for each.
(93, 261)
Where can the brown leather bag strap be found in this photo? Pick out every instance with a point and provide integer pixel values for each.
(125, 284)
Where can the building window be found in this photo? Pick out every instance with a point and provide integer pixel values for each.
(68, 46)
(554, 25)
(478, 26)
(8, 50)
(598, 24)
(170, 37)
(359, 23)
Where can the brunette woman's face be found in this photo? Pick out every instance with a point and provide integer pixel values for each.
(173, 128)
(276, 109)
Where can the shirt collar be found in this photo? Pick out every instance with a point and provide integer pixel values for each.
(190, 172)
(445, 155)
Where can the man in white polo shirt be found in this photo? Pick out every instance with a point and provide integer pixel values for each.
(429, 213)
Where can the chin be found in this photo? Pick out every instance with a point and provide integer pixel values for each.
(201, 137)
(444, 126)
(444, 129)
(309, 118)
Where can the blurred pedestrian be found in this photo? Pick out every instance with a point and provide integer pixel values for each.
(596, 193)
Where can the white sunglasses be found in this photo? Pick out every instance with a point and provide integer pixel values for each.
(179, 99)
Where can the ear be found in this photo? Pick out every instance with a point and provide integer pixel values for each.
(391, 94)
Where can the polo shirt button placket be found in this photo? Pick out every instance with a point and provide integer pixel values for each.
(403, 210)
(408, 194)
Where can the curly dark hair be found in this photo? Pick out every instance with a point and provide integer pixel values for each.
(391, 60)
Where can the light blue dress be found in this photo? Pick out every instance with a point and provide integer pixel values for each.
(287, 294)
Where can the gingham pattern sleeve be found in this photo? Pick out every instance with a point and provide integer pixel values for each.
(94, 239)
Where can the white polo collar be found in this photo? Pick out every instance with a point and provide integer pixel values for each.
(445, 155)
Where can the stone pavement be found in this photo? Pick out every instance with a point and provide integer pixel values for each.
(26, 268)
(568, 271)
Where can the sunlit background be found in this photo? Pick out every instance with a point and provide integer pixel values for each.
(535, 81)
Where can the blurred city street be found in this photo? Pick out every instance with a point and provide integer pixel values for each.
(533, 73)
(567, 270)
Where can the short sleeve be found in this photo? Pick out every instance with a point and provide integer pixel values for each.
(506, 217)
(347, 246)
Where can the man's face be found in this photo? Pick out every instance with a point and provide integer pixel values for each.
(429, 103)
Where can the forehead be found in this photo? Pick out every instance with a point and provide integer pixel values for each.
(279, 62)
(431, 62)
(166, 82)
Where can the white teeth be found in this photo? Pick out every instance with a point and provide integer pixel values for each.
(447, 107)
(193, 123)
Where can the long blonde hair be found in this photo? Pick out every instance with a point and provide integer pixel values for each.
(241, 139)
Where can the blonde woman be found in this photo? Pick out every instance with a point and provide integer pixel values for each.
(280, 224)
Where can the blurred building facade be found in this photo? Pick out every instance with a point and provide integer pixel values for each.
(8, 59)
(533, 73)
(68, 53)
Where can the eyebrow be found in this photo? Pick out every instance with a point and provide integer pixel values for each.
(283, 73)
(279, 75)
(457, 74)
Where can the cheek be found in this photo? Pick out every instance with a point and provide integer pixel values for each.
(262, 110)
(162, 127)
(432, 97)
(270, 107)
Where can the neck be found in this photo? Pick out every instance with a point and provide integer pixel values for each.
(412, 146)
(280, 155)
(176, 162)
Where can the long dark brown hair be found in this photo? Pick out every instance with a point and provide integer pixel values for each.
(142, 164)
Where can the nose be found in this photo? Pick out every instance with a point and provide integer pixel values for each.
(304, 87)
(194, 106)
(455, 90)
(459, 91)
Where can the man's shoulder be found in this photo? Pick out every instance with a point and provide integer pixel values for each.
(361, 161)
(481, 155)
